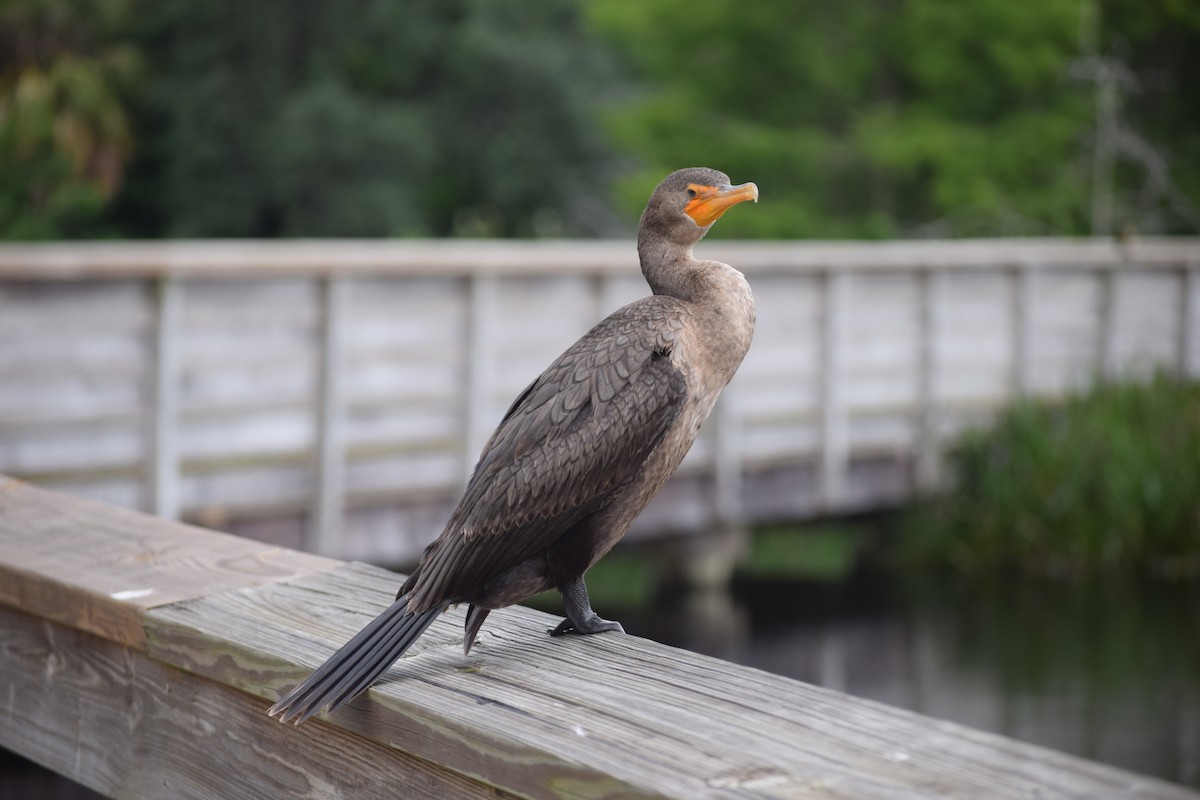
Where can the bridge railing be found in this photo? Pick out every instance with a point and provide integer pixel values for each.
(336, 393)
(139, 656)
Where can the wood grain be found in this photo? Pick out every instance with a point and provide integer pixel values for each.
(607, 716)
(127, 726)
(525, 715)
(97, 568)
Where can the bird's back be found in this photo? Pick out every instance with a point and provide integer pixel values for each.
(579, 435)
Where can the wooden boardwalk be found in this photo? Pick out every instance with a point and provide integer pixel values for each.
(334, 394)
(139, 657)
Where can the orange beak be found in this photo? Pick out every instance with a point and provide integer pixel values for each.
(710, 202)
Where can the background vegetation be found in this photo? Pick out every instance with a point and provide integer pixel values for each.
(1108, 479)
(272, 118)
(527, 118)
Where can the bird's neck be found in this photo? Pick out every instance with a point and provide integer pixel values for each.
(721, 301)
(672, 270)
(669, 267)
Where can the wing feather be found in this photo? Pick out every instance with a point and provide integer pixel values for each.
(577, 434)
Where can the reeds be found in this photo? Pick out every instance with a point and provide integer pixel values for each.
(1107, 479)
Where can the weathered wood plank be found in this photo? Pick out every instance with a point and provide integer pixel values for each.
(834, 446)
(328, 511)
(607, 716)
(1189, 320)
(163, 473)
(98, 568)
(1021, 309)
(128, 726)
(579, 717)
(478, 416)
(928, 445)
(1147, 322)
(727, 460)
(1106, 349)
(245, 259)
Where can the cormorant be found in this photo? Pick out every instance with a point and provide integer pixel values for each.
(580, 452)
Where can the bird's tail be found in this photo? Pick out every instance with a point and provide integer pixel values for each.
(357, 664)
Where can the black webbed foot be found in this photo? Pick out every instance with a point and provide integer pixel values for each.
(580, 617)
(593, 625)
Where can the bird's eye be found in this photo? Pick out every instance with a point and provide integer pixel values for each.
(691, 193)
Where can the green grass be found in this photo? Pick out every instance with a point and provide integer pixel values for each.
(1109, 479)
(814, 552)
(627, 578)
(619, 580)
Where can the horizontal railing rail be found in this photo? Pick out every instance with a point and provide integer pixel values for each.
(263, 258)
(347, 386)
(139, 657)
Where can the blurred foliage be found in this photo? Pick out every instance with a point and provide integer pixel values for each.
(525, 118)
(623, 579)
(368, 118)
(65, 129)
(1104, 480)
(917, 117)
(826, 552)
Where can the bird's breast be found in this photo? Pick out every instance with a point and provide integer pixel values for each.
(717, 338)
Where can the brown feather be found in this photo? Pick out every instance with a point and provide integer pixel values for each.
(575, 435)
(580, 451)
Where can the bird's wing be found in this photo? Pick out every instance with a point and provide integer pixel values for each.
(579, 432)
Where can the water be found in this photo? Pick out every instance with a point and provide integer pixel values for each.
(1108, 669)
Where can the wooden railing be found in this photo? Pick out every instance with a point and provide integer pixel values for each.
(139, 656)
(349, 385)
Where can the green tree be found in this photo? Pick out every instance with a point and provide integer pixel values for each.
(985, 136)
(1139, 59)
(65, 130)
(922, 117)
(370, 118)
(766, 91)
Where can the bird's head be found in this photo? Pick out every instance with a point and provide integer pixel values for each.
(688, 202)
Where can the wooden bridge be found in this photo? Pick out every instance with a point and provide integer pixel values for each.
(139, 656)
(334, 394)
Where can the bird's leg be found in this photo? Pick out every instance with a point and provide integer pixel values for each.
(580, 617)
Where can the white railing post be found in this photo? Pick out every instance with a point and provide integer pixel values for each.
(1107, 351)
(835, 456)
(727, 460)
(1022, 329)
(163, 472)
(328, 510)
(482, 291)
(927, 455)
(1189, 321)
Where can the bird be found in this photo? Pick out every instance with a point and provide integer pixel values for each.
(580, 451)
